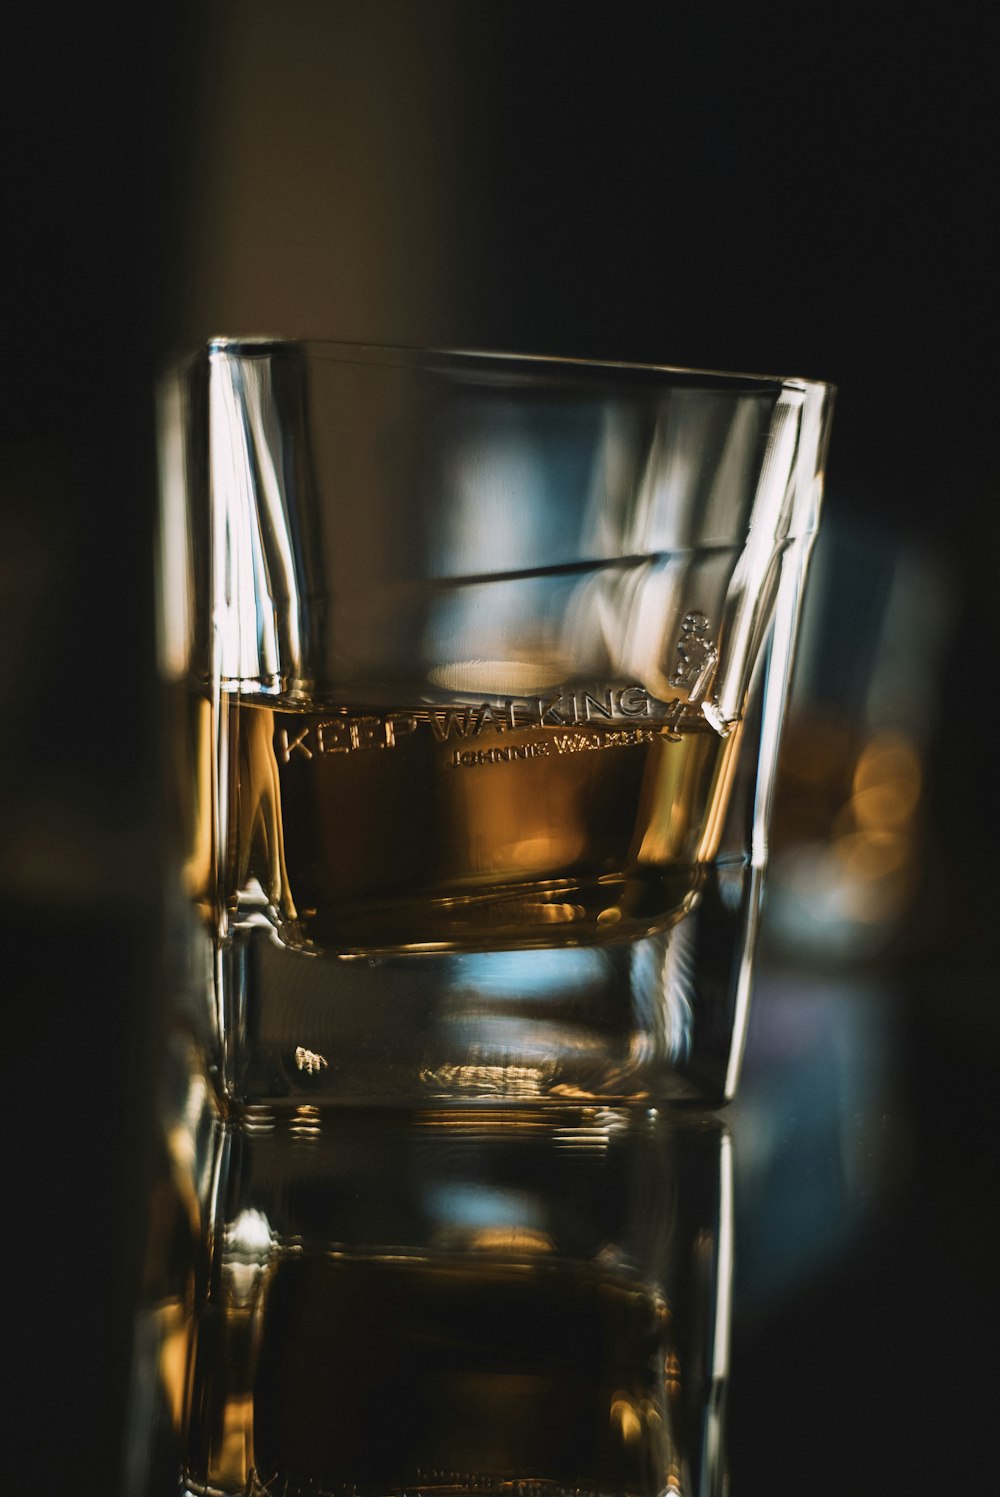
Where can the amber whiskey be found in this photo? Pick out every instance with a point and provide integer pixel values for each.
(578, 817)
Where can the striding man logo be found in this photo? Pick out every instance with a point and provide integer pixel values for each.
(697, 657)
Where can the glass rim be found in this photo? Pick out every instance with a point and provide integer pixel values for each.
(498, 361)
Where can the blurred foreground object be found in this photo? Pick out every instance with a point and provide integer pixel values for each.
(846, 831)
(822, 1138)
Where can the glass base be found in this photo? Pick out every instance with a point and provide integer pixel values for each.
(659, 1018)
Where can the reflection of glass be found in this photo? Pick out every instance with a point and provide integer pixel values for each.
(478, 655)
(450, 1300)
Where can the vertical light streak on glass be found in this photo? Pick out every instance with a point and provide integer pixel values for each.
(658, 593)
(218, 1177)
(264, 421)
(751, 588)
(604, 528)
(243, 613)
(730, 474)
(662, 512)
(744, 977)
(724, 1302)
(662, 979)
(806, 488)
(713, 1462)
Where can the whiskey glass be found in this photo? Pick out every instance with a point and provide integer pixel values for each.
(478, 666)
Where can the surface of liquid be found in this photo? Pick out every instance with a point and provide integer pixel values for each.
(468, 827)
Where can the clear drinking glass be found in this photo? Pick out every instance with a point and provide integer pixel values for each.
(480, 663)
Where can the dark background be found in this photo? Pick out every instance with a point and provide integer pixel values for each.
(772, 189)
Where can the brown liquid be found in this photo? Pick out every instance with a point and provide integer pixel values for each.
(395, 832)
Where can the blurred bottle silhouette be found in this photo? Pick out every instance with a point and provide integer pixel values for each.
(820, 1124)
(845, 837)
